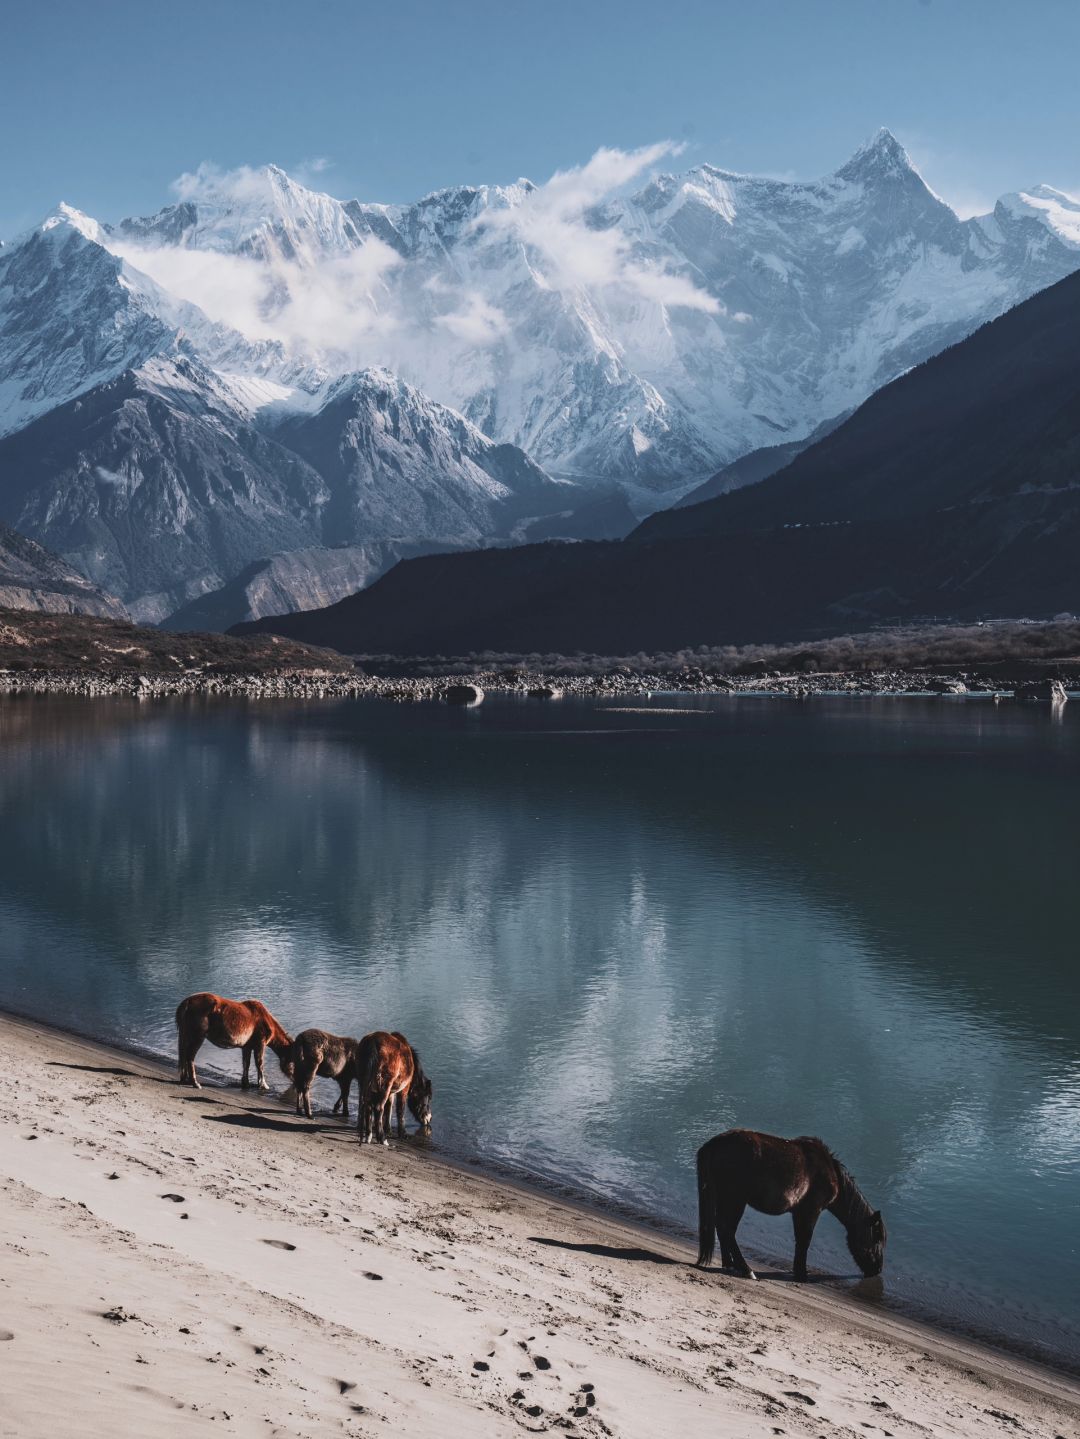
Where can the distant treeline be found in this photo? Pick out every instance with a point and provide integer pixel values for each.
(931, 647)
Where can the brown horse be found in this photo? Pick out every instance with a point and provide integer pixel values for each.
(244, 1024)
(388, 1070)
(331, 1055)
(780, 1176)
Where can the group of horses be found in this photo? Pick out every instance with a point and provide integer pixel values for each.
(384, 1064)
(740, 1168)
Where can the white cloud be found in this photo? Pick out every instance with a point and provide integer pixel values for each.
(570, 246)
(309, 286)
(476, 322)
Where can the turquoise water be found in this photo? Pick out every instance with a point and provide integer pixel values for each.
(613, 930)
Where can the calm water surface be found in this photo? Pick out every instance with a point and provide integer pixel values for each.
(613, 931)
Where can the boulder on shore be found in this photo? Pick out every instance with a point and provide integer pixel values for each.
(463, 695)
(1041, 692)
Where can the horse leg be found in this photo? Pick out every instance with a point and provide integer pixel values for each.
(384, 1117)
(245, 1082)
(401, 1114)
(342, 1103)
(804, 1218)
(259, 1048)
(192, 1045)
(728, 1215)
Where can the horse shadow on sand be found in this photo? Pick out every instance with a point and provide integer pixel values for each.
(253, 1119)
(107, 1069)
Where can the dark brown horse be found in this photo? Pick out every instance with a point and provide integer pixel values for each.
(244, 1024)
(389, 1073)
(800, 1177)
(331, 1055)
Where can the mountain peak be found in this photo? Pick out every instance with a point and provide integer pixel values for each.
(66, 217)
(880, 157)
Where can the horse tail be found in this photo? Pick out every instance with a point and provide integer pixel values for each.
(367, 1062)
(706, 1212)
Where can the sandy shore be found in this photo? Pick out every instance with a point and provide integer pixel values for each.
(177, 1263)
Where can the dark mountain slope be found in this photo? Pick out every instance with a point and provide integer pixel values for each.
(954, 491)
(758, 465)
(784, 584)
(155, 487)
(32, 578)
(997, 413)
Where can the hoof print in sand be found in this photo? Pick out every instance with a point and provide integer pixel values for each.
(280, 1244)
(802, 1398)
(6, 1336)
(175, 1198)
(370, 1274)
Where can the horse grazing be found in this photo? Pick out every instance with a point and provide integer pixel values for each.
(331, 1055)
(244, 1024)
(389, 1071)
(780, 1176)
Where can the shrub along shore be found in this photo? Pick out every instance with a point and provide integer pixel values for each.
(77, 655)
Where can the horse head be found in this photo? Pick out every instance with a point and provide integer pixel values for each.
(420, 1102)
(866, 1240)
(285, 1050)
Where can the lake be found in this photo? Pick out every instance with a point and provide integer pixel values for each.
(612, 929)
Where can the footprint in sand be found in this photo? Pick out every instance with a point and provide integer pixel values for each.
(479, 1364)
(175, 1198)
(5, 1335)
(541, 1362)
(280, 1244)
(370, 1274)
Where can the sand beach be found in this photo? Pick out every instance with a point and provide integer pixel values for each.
(178, 1262)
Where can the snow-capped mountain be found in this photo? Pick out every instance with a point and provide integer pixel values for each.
(450, 482)
(74, 315)
(260, 369)
(645, 337)
(159, 488)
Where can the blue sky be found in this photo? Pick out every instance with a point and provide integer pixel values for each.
(104, 102)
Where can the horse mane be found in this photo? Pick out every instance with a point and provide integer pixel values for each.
(851, 1205)
(279, 1037)
(418, 1069)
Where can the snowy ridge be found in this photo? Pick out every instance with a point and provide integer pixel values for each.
(260, 367)
(640, 336)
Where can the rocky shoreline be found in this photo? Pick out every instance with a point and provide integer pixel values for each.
(471, 689)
